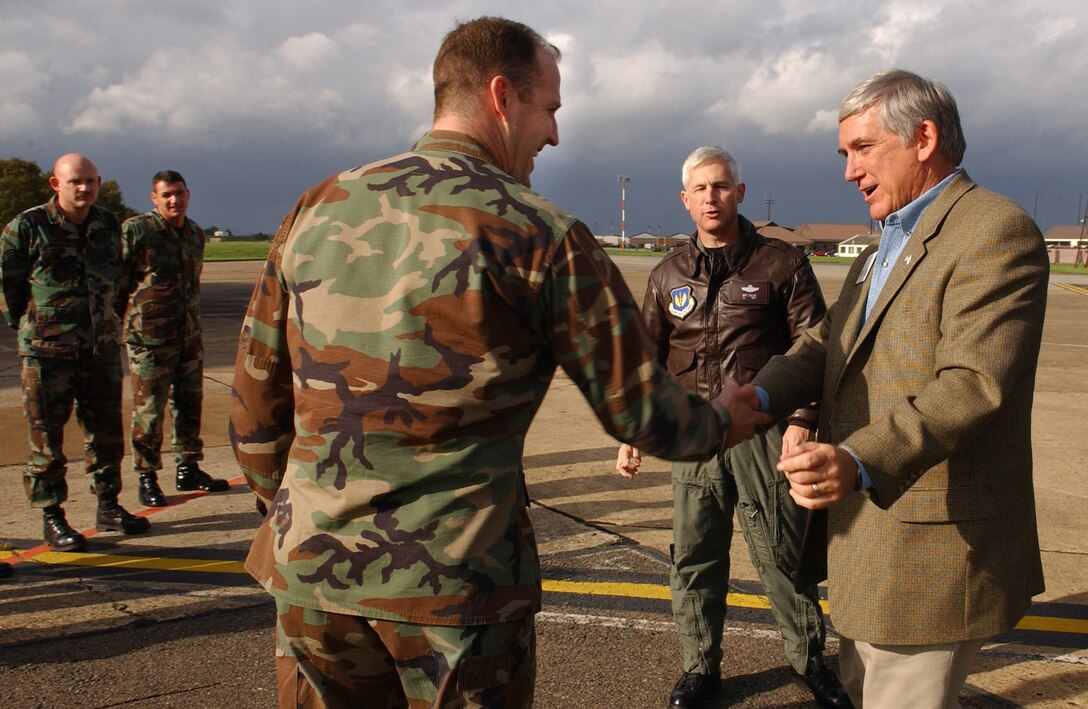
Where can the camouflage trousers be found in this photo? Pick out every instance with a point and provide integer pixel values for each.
(705, 496)
(51, 387)
(331, 660)
(164, 374)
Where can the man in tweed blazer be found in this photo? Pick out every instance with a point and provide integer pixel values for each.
(920, 479)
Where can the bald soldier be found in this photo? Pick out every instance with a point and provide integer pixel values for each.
(58, 265)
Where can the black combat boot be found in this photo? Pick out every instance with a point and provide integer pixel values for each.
(824, 684)
(58, 533)
(6, 570)
(694, 690)
(191, 477)
(112, 518)
(151, 495)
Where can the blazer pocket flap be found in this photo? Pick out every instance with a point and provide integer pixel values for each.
(944, 505)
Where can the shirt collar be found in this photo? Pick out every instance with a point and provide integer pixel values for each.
(909, 215)
(735, 256)
(454, 142)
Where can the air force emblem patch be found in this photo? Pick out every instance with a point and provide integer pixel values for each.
(681, 302)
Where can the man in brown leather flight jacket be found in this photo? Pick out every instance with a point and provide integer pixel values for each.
(718, 309)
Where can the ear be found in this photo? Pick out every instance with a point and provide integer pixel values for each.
(54, 182)
(684, 199)
(740, 192)
(498, 93)
(925, 136)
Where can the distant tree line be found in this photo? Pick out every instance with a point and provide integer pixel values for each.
(23, 185)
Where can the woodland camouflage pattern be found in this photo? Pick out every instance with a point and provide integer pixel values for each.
(158, 300)
(402, 336)
(160, 285)
(58, 291)
(58, 288)
(333, 660)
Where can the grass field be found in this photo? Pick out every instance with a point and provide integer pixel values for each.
(235, 250)
(258, 251)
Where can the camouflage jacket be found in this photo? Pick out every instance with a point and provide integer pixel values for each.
(58, 286)
(405, 329)
(160, 280)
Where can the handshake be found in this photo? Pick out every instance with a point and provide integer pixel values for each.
(745, 420)
(819, 474)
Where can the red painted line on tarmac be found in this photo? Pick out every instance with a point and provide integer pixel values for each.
(18, 556)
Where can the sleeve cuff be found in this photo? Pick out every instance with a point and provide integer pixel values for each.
(764, 399)
(864, 482)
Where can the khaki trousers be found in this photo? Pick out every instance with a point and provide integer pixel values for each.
(907, 676)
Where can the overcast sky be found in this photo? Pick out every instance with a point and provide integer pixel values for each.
(256, 100)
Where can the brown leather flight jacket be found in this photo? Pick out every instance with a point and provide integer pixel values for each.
(728, 313)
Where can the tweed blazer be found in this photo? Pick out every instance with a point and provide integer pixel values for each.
(933, 393)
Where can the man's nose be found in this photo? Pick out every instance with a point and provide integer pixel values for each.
(852, 173)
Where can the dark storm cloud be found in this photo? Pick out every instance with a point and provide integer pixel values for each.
(254, 101)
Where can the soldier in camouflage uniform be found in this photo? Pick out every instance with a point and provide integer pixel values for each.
(58, 266)
(405, 329)
(159, 300)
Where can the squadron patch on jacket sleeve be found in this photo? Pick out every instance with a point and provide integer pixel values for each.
(681, 302)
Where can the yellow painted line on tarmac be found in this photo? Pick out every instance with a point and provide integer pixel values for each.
(1074, 288)
(651, 591)
(1053, 625)
(627, 590)
(151, 563)
(749, 600)
(648, 591)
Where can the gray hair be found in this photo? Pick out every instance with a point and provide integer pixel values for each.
(710, 152)
(903, 100)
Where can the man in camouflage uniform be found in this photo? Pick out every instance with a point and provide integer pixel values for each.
(159, 301)
(58, 267)
(405, 329)
(718, 308)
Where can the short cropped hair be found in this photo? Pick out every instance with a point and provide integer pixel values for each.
(710, 152)
(903, 101)
(474, 52)
(168, 176)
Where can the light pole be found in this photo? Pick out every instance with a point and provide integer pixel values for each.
(623, 180)
(768, 199)
(1082, 258)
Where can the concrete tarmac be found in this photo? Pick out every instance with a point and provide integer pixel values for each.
(170, 619)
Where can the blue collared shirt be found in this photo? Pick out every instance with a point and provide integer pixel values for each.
(895, 231)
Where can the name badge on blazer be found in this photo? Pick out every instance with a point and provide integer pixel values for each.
(748, 292)
(681, 302)
(868, 267)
